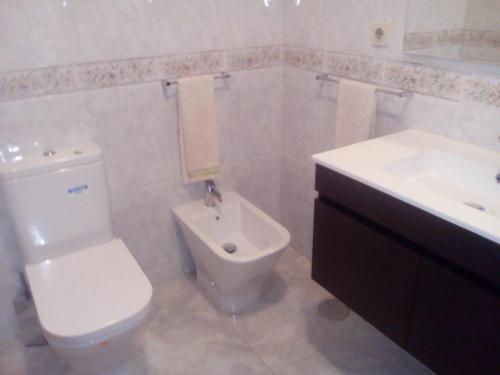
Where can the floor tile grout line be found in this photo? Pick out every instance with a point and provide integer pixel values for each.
(272, 372)
(231, 326)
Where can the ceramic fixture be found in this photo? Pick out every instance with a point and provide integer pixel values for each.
(235, 246)
(90, 294)
(449, 179)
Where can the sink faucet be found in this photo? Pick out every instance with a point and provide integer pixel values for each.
(212, 194)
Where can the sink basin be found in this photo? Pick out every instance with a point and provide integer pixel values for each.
(452, 176)
(452, 180)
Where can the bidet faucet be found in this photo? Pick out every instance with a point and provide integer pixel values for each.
(212, 194)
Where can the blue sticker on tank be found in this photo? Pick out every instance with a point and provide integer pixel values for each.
(78, 189)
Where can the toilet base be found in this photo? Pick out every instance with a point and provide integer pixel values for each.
(239, 300)
(102, 356)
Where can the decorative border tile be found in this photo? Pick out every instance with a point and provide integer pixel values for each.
(115, 73)
(413, 41)
(423, 79)
(399, 75)
(190, 65)
(452, 38)
(100, 74)
(304, 58)
(251, 58)
(20, 84)
(444, 38)
(484, 91)
(57, 80)
(485, 39)
(355, 67)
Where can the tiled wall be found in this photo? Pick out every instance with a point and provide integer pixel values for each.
(90, 70)
(333, 36)
(51, 33)
(482, 15)
(436, 15)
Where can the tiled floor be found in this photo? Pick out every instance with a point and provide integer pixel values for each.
(285, 334)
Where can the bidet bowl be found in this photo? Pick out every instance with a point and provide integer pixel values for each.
(234, 279)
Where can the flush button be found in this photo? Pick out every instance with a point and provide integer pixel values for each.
(49, 153)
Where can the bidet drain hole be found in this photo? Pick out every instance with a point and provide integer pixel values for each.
(230, 248)
(475, 205)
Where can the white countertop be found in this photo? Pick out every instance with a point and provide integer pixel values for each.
(370, 162)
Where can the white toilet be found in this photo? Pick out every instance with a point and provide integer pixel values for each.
(235, 246)
(89, 292)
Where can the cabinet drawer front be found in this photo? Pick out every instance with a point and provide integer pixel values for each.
(370, 272)
(455, 325)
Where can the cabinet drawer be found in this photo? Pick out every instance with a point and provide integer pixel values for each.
(372, 273)
(455, 325)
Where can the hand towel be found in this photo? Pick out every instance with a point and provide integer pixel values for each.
(198, 129)
(356, 112)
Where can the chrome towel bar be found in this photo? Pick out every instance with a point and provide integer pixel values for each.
(220, 75)
(400, 93)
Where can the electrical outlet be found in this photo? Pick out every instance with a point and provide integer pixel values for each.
(380, 34)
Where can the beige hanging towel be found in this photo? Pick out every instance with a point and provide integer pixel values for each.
(356, 113)
(198, 129)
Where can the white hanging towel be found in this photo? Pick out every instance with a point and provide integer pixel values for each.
(199, 141)
(356, 113)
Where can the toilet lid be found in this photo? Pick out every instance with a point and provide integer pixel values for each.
(89, 294)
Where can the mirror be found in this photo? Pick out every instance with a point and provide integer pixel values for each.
(466, 30)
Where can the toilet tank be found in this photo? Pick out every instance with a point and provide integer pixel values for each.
(57, 200)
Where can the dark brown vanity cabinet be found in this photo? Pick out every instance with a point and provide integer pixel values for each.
(373, 252)
(455, 323)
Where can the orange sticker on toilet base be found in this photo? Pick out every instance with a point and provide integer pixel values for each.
(103, 344)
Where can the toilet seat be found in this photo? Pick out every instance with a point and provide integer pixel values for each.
(88, 295)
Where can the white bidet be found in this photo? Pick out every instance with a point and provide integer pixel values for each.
(234, 245)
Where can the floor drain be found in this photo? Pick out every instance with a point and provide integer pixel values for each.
(230, 248)
(475, 205)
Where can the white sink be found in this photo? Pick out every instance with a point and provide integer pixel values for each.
(452, 180)
(452, 176)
